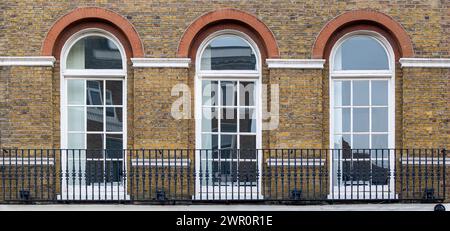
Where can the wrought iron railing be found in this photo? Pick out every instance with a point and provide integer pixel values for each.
(191, 175)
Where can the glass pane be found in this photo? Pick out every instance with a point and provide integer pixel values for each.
(361, 141)
(210, 92)
(247, 120)
(114, 146)
(76, 118)
(228, 53)
(209, 142)
(361, 53)
(209, 120)
(247, 146)
(228, 142)
(247, 94)
(341, 120)
(228, 122)
(229, 93)
(379, 93)
(380, 119)
(360, 119)
(94, 52)
(114, 119)
(94, 92)
(380, 141)
(342, 141)
(361, 93)
(113, 92)
(75, 92)
(75, 141)
(94, 145)
(94, 119)
(341, 93)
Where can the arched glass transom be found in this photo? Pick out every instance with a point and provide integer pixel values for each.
(361, 52)
(94, 52)
(228, 52)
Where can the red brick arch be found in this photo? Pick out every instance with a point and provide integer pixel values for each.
(87, 17)
(362, 20)
(227, 19)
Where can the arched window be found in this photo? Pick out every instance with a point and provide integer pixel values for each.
(362, 112)
(228, 79)
(93, 113)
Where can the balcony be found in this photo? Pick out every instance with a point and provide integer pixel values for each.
(222, 176)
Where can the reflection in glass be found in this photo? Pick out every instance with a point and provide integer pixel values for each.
(228, 53)
(228, 122)
(94, 52)
(94, 119)
(94, 92)
(114, 119)
(210, 120)
(113, 92)
(229, 93)
(361, 53)
(210, 93)
(246, 93)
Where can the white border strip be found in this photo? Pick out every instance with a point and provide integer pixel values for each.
(160, 162)
(296, 63)
(45, 61)
(297, 162)
(26, 161)
(425, 62)
(424, 160)
(161, 62)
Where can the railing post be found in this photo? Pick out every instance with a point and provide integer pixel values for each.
(444, 153)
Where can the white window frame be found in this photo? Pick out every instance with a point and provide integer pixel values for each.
(243, 75)
(102, 192)
(370, 191)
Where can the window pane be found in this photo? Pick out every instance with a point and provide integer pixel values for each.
(361, 53)
(247, 146)
(361, 141)
(380, 141)
(94, 146)
(342, 141)
(94, 92)
(360, 119)
(75, 92)
(361, 93)
(95, 119)
(94, 52)
(75, 141)
(341, 93)
(247, 120)
(228, 53)
(228, 141)
(380, 119)
(114, 119)
(209, 120)
(75, 118)
(229, 93)
(379, 93)
(247, 94)
(209, 142)
(228, 122)
(341, 120)
(210, 92)
(113, 92)
(114, 144)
